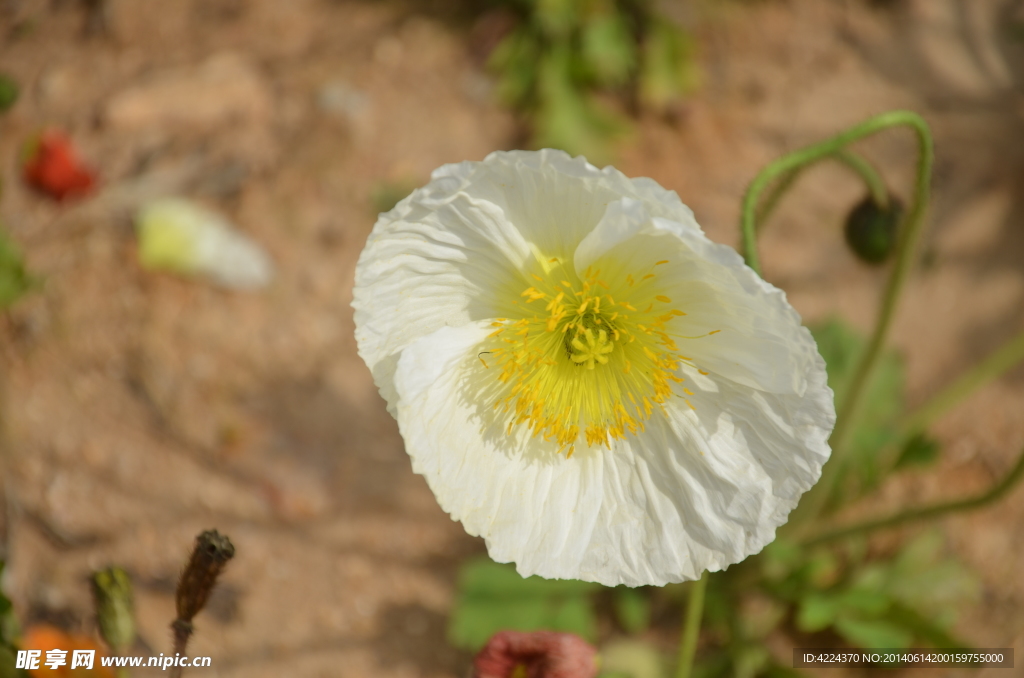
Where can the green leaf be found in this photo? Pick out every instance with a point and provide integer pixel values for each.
(750, 659)
(556, 18)
(608, 49)
(568, 119)
(632, 609)
(7, 663)
(931, 631)
(774, 670)
(493, 597)
(666, 71)
(842, 347)
(515, 61)
(717, 665)
(14, 278)
(8, 92)
(780, 558)
(8, 632)
(872, 633)
(817, 612)
(923, 579)
(920, 450)
(865, 601)
(909, 598)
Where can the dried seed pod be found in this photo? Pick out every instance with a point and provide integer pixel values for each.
(211, 553)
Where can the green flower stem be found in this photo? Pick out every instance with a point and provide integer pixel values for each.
(1004, 358)
(864, 169)
(867, 172)
(805, 156)
(781, 187)
(850, 406)
(998, 491)
(691, 627)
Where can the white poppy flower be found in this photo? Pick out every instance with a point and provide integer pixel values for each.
(584, 379)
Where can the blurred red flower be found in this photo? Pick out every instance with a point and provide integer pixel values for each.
(53, 167)
(537, 654)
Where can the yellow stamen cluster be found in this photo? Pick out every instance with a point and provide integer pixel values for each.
(583, 357)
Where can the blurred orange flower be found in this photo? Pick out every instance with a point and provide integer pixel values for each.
(50, 639)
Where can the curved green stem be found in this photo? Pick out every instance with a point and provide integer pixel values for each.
(781, 187)
(867, 172)
(805, 156)
(850, 406)
(997, 492)
(691, 627)
(856, 162)
(905, 248)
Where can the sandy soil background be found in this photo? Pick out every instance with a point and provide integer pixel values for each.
(140, 408)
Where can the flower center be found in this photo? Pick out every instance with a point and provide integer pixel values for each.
(590, 356)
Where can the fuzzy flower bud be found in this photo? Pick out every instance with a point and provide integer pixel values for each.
(871, 230)
(537, 654)
(112, 590)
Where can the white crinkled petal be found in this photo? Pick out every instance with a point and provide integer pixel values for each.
(758, 341)
(436, 261)
(699, 490)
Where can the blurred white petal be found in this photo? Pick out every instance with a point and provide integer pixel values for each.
(181, 236)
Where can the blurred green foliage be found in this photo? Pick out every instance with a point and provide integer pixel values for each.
(865, 465)
(493, 597)
(14, 278)
(920, 450)
(112, 593)
(9, 631)
(570, 65)
(632, 609)
(8, 92)
(911, 597)
(386, 194)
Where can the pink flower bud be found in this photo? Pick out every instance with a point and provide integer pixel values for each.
(540, 654)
